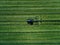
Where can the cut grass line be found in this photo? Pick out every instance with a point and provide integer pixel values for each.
(32, 1)
(33, 12)
(30, 5)
(27, 8)
(28, 12)
(19, 16)
(29, 42)
(36, 31)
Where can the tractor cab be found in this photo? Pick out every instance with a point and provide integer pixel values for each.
(30, 21)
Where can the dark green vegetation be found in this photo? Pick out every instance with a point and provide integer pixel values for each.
(20, 33)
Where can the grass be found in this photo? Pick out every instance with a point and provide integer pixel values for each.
(20, 33)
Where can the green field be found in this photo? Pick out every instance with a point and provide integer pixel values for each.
(20, 33)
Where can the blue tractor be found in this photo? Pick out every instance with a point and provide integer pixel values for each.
(30, 21)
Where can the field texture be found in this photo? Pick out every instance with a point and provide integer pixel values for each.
(20, 33)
